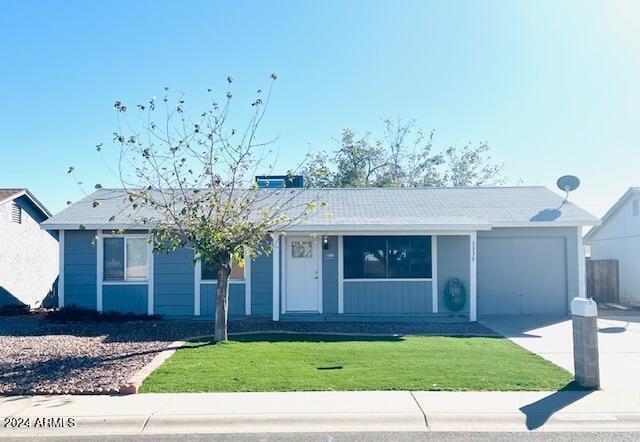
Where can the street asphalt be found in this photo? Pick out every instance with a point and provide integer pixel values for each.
(358, 437)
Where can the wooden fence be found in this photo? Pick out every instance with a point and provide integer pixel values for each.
(602, 280)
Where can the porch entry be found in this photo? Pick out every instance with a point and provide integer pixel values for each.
(302, 274)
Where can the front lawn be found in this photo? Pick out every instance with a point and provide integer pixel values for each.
(284, 362)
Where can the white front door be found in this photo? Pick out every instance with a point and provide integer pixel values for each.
(302, 274)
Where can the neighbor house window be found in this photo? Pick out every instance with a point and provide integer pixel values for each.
(636, 207)
(125, 259)
(16, 213)
(387, 257)
(209, 272)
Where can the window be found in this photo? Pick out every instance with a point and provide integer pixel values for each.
(16, 213)
(209, 272)
(387, 257)
(301, 249)
(125, 259)
(636, 207)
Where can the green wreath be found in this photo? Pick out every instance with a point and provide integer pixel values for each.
(455, 295)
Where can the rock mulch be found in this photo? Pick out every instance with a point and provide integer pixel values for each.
(41, 357)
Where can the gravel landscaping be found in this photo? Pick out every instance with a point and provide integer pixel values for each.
(42, 357)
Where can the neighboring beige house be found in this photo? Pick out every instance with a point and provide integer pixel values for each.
(28, 254)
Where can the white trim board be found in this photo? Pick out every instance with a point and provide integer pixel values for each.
(197, 273)
(356, 229)
(340, 274)
(247, 283)
(61, 269)
(473, 270)
(99, 269)
(275, 300)
(435, 294)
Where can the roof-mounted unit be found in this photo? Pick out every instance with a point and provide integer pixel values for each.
(279, 181)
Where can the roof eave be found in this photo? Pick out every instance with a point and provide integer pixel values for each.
(32, 198)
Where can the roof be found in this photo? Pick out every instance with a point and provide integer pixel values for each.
(373, 209)
(12, 194)
(632, 191)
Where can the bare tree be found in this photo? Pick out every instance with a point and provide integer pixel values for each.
(190, 181)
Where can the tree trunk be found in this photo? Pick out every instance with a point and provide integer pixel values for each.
(222, 303)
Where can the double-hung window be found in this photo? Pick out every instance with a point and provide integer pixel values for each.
(387, 257)
(209, 272)
(125, 259)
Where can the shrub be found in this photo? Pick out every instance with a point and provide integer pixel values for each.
(73, 313)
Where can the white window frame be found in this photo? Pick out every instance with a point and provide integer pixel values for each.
(126, 281)
(247, 263)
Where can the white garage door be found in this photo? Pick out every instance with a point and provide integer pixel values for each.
(522, 276)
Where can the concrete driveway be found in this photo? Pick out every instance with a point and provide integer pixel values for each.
(551, 338)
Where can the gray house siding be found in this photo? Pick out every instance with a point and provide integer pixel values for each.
(453, 262)
(519, 271)
(174, 283)
(125, 298)
(527, 270)
(330, 276)
(262, 285)
(208, 300)
(387, 297)
(80, 268)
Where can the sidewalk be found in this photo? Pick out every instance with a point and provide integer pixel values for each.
(320, 411)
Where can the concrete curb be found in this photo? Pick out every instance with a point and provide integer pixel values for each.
(509, 422)
(323, 422)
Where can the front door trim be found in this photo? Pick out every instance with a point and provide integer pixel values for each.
(284, 255)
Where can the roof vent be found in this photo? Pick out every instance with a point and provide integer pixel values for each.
(16, 213)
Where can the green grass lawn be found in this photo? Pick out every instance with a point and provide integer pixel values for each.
(282, 362)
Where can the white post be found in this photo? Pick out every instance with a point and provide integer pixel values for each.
(340, 275)
(473, 294)
(150, 277)
(434, 274)
(276, 276)
(247, 284)
(60, 268)
(99, 269)
(197, 276)
(582, 282)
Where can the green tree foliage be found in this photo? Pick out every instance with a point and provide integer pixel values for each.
(190, 182)
(404, 156)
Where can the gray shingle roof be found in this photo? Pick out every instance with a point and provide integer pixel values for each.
(13, 193)
(372, 208)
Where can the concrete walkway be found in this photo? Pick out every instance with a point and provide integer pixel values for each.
(552, 338)
(320, 411)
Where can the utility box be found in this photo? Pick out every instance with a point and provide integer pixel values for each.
(586, 360)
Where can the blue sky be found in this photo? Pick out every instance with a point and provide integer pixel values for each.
(553, 87)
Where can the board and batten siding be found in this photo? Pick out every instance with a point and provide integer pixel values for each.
(125, 298)
(80, 268)
(174, 283)
(387, 297)
(453, 262)
(262, 285)
(525, 271)
(208, 299)
(330, 276)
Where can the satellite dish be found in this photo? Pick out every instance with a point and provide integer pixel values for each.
(568, 183)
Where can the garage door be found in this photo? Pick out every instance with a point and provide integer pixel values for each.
(522, 276)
